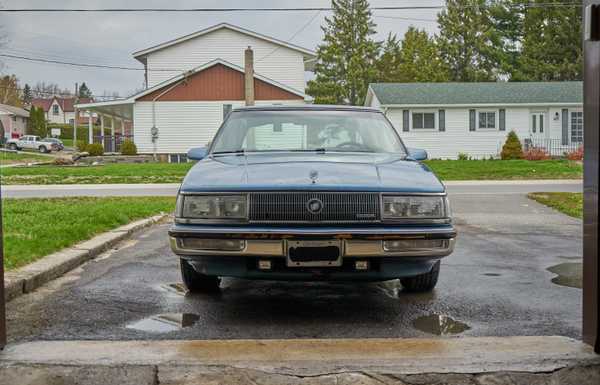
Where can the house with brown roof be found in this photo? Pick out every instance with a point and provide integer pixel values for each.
(195, 80)
(58, 109)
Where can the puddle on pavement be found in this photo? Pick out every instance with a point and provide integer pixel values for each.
(492, 274)
(118, 247)
(439, 324)
(177, 288)
(567, 274)
(164, 323)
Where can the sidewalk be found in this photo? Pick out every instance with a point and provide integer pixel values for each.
(484, 360)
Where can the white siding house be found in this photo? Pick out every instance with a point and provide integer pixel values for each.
(446, 119)
(193, 81)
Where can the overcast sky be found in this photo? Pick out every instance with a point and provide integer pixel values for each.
(111, 38)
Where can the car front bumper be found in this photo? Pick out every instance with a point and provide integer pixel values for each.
(366, 245)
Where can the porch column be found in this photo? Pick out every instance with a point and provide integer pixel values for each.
(113, 142)
(102, 128)
(90, 129)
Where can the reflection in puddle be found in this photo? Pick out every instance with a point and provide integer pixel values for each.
(568, 274)
(439, 324)
(164, 323)
(177, 288)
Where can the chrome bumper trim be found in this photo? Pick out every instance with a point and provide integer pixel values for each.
(351, 249)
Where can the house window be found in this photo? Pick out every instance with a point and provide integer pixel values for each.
(55, 109)
(423, 120)
(14, 118)
(576, 126)
(71, 121)
(487, 120)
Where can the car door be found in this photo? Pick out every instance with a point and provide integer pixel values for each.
(24, 141)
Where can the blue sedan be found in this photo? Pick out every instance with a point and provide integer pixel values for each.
(310, 193)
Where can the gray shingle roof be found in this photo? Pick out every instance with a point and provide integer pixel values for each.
(14, 110)
(478, 93)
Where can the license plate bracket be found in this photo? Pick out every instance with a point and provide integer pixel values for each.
(313, 253)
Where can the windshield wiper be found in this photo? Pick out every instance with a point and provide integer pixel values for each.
(319, 150)
(240, 151)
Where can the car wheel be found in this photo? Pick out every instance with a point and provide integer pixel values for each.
(422, 282)
(196, 282)
(43, 149)
(12, 146)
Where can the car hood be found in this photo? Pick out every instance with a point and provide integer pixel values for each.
(311, 171)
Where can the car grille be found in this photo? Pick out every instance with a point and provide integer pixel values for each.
(291, 207)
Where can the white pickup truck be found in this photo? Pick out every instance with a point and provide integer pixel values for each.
(31, 142)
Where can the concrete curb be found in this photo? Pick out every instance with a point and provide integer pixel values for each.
(28, 278)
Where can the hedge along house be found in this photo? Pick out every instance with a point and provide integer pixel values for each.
(474, 118)
(194, 81)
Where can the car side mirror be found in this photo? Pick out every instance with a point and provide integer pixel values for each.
(417, 154)
(197, 153)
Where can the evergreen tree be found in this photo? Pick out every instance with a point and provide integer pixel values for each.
(37, 121)
(507, 17)
(347, 58)
(388, 64)
(27, 95)
(468, 40)
(552, 49)
(420, 59)
(84, 91)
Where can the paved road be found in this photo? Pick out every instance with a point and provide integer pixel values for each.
(496, 283)
(170, 189)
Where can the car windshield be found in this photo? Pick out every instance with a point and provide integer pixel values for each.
(298, 130)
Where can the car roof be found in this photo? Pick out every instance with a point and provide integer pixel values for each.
(307, 107)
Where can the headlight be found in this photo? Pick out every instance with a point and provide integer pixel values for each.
(212, 206)
(415, 207)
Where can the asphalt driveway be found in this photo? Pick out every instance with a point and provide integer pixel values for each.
(496, 283)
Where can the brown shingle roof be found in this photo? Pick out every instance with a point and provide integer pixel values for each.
(66, 104)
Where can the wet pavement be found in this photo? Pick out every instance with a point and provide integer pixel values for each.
(500, 281)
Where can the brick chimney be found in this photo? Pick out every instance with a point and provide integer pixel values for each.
(249, 76)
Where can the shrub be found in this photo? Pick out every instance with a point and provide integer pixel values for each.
(128, 148)
(575, 154)
(81, 145)
(463, 156)
(512, 148)
(95, 149)
(536, 153)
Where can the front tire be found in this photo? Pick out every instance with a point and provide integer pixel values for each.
(196, 282)
(422, 282)
(43, 149)
(13, 146)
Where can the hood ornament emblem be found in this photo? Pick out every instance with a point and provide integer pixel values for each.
(314, 206)
(313, 175)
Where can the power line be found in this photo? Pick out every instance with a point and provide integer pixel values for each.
(293, 36)
(273, 9)
(404, 18)
(88, 65)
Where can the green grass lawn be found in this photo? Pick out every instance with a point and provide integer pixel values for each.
(505, 169)
(108, 173)
(174, 172)
(34, 228)
(567, 203)
(22, 157)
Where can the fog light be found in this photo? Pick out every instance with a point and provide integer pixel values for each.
(264, 264)
(361, 265)
(413, 244)
(213, 244)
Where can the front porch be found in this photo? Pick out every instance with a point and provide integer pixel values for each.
(120, 115)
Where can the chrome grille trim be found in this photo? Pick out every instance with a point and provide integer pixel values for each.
(338, 207)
